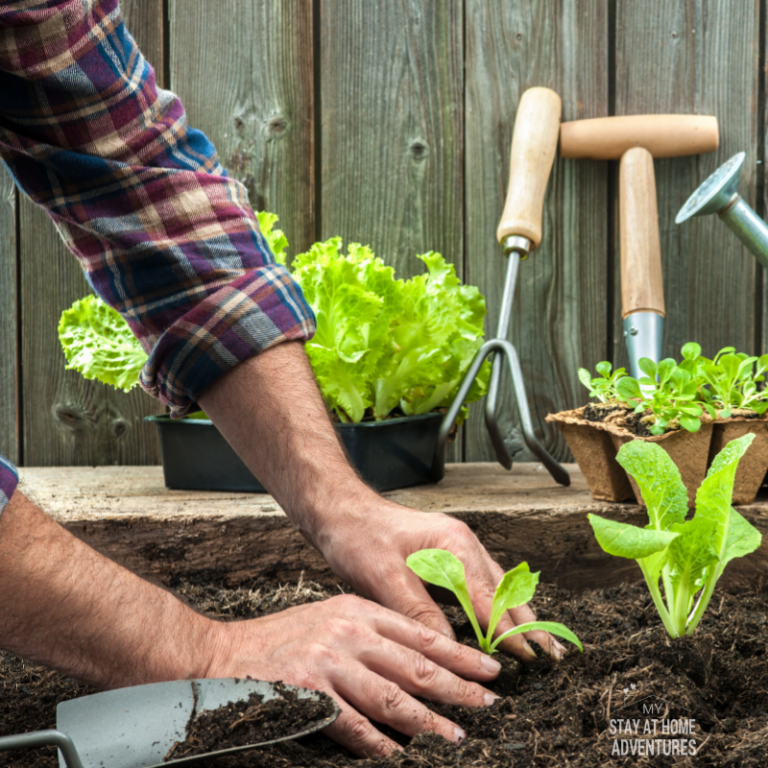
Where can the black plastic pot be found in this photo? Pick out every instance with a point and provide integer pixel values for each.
(395, 453)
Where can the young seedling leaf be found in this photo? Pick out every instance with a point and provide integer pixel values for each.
(659, 480)
(553, 627)
(444, 569)
(624, 540)
(516, 587)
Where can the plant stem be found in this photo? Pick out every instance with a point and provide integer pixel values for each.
(653, 587)
(706, 595)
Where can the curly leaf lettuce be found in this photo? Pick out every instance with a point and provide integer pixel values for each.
(383, 343)
(98, 343)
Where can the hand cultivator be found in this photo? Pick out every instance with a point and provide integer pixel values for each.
(534, 143)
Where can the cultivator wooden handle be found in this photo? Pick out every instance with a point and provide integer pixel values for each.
(642, 287)
(608, 138)
(534, 143)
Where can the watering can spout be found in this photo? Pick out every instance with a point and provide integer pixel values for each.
(718, 194)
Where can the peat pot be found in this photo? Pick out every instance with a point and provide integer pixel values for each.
(754, 463)
(389, 454)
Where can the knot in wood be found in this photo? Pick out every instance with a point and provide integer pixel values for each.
(275, 127)
(119, 428)
(71, 416)
(419, 150)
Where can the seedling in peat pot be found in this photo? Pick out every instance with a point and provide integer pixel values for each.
(602, 387)
(517, 587)
(687, 556)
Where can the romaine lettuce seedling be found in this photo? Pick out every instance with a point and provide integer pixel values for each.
(668, 391)
(517, 587)
(683, 557)
(602, 387)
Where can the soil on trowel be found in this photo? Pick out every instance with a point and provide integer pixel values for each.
(599, 412)
(707, 694)
(249, 722)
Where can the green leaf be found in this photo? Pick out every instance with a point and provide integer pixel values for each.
(276, 238)
(553, 627)
(444, 569)
(604, 369)
(648, 367)
(585, 378)
(624, 540)
(98, 343)
(742, 538)
(690, 423)
(517, 587)
(691, 350)
(628, 388)
(659, 481)
(690, 555)
(713, 498)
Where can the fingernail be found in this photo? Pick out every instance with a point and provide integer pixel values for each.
(458, 734)
(490, 665)
(491, 698)
(529, 652)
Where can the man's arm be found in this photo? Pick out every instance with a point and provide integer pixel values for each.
(64, 605)
(271, 412)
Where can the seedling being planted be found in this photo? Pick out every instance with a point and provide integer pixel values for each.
(517, 587)
(683, 557)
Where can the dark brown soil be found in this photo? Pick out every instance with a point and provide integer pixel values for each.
(551, 714)
(250, 722)
(599, 412)
(635, 424)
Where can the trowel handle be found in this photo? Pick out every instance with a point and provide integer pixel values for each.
(534, 142)
(34, 739)
(642, 288)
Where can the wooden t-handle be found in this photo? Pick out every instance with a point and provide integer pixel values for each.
(534, 142)
(642, 288)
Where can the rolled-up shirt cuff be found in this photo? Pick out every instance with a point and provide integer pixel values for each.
(254, 312)
(9, 479)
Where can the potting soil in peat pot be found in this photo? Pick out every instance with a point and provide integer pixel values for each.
(592, 709)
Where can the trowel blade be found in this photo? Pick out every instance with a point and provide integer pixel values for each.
(136, 727)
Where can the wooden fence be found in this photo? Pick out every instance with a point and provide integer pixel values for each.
(389, 122)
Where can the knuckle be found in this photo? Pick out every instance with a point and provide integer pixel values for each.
(424, 673)
(347, 603)
(392, 699)
(359, 733)
(426, 638)
(422, 612)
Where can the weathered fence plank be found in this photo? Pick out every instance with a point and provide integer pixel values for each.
(67, 420)
(392, 140)
(244, 72)
(560, 311)
(9, 392)
(391, 85)
(685, 57)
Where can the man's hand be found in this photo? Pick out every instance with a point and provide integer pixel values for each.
(271, 412)
(368, 548)
(371, 660)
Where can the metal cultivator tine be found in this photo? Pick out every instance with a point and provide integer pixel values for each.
(500, 348)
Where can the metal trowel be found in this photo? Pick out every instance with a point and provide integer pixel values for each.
(136, 727)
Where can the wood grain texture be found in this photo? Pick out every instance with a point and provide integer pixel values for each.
(695, 57)
(243, 69)
(642, 286)
(392, 148)
(559, 317)
(9, 374)
(66, 419)
(128, 515)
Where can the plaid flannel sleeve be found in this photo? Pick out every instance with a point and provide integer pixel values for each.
(164, 235)
(9, 479)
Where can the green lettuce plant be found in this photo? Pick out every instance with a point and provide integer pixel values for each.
(680, 559)
(517, 587)
(602, 387)
(383, 342)
(733, 379)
